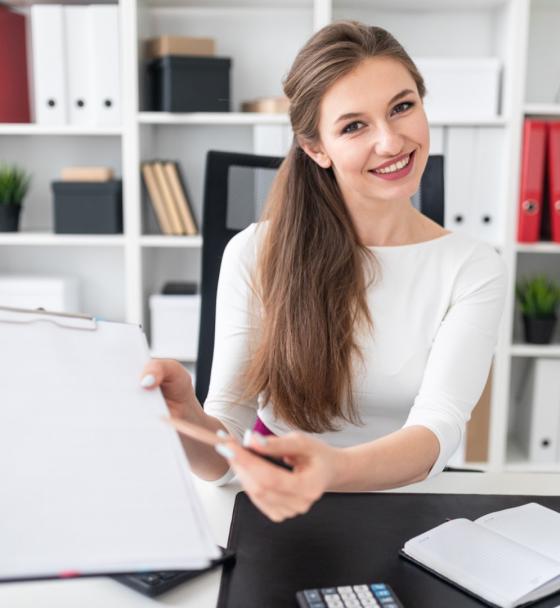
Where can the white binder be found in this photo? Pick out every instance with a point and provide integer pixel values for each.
(472, 181)
(487, 193)
(93, 480)
(105, 58)
(49, 70)
(538, 422)
(78, 64)
(458, 174)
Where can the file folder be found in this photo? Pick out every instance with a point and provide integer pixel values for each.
(14, 101)
(554, 179)
(93, 481)
(538, 420)
(49, 67)
(473, 192)
(532, 181)
(105, 58)
(78, 64)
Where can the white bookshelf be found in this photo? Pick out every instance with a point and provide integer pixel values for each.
(119, 272)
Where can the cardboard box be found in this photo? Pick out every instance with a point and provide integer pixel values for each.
(269, 105)
(86, 174)
(174, 326)
(179, 45)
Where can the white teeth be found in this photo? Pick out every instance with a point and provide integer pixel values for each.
(395, 166)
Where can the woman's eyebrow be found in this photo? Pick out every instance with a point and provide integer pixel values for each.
(396, 97)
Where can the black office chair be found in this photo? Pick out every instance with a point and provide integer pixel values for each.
(228, 171)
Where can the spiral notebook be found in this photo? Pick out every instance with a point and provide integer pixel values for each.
(93, 480)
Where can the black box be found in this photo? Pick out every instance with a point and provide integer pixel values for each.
(189, 84)
(88, 207)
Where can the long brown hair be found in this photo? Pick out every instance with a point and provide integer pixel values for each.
(310, 275)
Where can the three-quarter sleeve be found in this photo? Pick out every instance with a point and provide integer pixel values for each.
(461, 354)
(235, 323)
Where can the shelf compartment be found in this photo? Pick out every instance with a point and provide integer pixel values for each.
(194, 242)
(57, 240)
(58, 130)
(211, 118)
(541, 247)
(535, 350)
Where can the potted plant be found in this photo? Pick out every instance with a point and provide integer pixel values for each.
(14, 183)
(538, 298)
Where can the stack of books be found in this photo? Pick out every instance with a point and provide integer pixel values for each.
(168, 197)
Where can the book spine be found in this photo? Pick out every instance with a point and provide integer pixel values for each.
(167, 196)
(180, 196)
(155, 198)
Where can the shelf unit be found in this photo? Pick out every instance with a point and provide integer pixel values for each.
(118, 273)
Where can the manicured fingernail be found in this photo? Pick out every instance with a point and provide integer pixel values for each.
(148, 380)
(221, 433)
(260, 438)
(224, 451)
(247, 438)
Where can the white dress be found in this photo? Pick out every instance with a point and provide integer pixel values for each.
(436, 309)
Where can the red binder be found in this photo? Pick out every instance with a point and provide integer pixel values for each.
(14, 91)
(532, 181)
(554, 179)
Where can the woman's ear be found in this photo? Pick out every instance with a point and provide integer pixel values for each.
(316, 153)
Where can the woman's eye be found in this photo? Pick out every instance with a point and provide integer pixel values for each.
(403, 107)
(353, 127)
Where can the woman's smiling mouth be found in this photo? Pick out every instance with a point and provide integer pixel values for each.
(396, 169)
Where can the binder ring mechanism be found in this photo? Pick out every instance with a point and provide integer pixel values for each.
(40, 315)
(530, 207)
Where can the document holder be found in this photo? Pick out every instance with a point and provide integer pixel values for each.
(350, 539)
(93, 479)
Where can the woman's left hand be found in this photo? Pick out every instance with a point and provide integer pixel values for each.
(278, 493)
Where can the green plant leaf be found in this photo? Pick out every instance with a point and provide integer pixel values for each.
(538, 296)
(14, 184)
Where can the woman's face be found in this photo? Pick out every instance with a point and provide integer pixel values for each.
(374, 133)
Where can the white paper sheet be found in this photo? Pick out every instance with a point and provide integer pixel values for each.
(91, 479)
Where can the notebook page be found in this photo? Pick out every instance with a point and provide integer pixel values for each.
(531, 525)
(489, 565)
(92, 479)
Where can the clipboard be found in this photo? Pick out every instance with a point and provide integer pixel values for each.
(93, 480)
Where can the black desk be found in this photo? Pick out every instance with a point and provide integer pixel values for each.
(350, 539)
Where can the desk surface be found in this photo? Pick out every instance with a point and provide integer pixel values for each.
(218, 503)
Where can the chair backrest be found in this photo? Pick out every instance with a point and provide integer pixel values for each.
(235, 188)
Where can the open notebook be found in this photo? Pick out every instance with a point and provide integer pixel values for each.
(92, 479)
(507, 558)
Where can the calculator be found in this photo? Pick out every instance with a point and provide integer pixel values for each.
(374, 595)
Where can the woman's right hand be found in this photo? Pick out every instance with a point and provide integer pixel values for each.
(176, 385)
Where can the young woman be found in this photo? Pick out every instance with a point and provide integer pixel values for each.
(352, 330)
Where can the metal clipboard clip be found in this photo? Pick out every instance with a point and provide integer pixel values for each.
(39, 315)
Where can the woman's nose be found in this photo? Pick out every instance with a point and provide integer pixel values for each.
(388, 142)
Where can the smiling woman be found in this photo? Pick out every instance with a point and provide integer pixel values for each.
(351, 329)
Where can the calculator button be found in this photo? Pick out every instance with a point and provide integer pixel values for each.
(344, 590)
(387, 602)
(329, 591)
(312, 595)
(361, 589)
(378, 587)
(382, 593)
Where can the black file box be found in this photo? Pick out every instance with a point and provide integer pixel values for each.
(88, 207)
(189, 84)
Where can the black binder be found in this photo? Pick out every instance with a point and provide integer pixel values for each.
(350, 539)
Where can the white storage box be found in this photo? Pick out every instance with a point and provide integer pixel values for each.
(59, 294)
(175, 322)
(461, 89)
